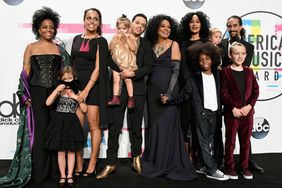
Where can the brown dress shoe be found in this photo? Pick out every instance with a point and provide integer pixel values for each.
(115, 101)
(131, 102)
(136, 164)
(106, 171)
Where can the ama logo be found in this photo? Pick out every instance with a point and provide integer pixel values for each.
(194, 4)
(13, 2)
(264, 31)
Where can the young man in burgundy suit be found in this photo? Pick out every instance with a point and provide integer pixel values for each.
(237, 33)
(239, 93)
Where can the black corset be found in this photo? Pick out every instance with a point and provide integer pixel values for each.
(45, 70)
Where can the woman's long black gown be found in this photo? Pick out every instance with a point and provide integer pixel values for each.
(165, 154)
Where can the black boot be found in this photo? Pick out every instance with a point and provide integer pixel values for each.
(255, 167)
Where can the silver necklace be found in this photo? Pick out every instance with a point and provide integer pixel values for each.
(159, 49)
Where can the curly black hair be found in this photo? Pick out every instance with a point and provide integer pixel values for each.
(207, 48)
(151, 33)
(184, 30)
(42, 14)
(99, 29)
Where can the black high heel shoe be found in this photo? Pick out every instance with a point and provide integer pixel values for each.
(77, 174)
(70, 181)
(88, 175)
(62, 182)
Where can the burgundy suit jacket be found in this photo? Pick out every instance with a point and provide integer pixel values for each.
(230, 93)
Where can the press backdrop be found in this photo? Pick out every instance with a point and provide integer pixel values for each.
(262, 20)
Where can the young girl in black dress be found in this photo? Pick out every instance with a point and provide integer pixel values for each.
(64, 133)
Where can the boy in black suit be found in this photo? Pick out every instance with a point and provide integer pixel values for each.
(204, 89)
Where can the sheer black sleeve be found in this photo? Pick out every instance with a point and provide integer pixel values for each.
(184, 94)
(175, 72)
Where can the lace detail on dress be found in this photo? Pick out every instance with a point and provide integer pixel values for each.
(45, 66)
(44, 69)
(66, 105)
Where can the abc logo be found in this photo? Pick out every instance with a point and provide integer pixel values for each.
(194, 4)
(261, 128)
(13, 2)
(9, 108)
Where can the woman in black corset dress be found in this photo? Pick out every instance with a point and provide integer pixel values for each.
(89, 58)
(42, 63)
(165, 153)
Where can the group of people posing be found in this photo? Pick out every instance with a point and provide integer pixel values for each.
(182, 71)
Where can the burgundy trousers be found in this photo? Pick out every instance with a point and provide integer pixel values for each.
(243, 126)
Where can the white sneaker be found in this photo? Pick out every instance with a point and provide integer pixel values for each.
(232, 174)
(247, 174)
(218, 175)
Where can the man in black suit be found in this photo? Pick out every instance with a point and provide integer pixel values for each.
(144, 60)
(237, 33)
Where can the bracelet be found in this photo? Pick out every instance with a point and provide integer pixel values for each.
(92, 81)
(26, 62)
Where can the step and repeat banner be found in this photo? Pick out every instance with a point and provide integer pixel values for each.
(262, 20)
